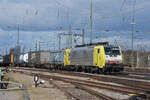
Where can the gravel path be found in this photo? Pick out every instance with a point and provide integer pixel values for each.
(9, 96)
(25, 94)
(42, 92)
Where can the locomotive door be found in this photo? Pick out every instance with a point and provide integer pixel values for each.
(66, 57)
(99, 56)
(96, 56)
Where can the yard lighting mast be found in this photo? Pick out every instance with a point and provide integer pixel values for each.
(83, 33)
(59, 36)
(133, 26)
(18, 36)
(91, 22)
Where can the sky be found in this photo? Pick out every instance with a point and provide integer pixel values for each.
(41, 20)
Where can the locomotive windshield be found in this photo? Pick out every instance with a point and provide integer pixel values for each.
(112, 51)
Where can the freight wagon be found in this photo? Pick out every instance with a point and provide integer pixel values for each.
(6, 60)
(38, 58)
(57, 59)
(23, 59)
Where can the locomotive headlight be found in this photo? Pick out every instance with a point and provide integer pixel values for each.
(107, 56)
(107, 61)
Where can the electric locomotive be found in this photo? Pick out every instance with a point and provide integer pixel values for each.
(100, 58)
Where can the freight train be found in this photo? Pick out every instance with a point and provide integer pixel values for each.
(93, 58)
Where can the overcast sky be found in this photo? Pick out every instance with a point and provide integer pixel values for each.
(43, 16)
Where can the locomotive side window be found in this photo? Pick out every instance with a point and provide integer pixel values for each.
(98, 51)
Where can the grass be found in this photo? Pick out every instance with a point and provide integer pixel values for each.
(7, 77)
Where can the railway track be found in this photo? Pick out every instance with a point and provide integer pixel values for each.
(124, 74)
(129, 81)
(78, 86)
(76, 83)
(138, 73)
(137, 89)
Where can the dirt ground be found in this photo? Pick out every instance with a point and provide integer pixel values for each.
(42, 92)
(9, 95)
(78, 92)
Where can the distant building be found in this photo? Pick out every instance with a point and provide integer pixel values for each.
(1, 59)
(140, 58)
(149, 60)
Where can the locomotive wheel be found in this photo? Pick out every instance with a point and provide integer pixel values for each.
(93, 70)
(86, 70)
(104, 71)
(76, 69)
(89, 70)
(99, 71)
(80, 69)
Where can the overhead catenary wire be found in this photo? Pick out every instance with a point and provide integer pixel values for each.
(122, 6)
(123, 3)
